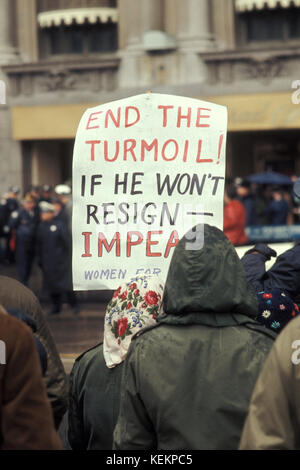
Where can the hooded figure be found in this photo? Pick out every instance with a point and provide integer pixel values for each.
(95, 380)
(187, 382)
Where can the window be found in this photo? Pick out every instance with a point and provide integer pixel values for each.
(279, 24)
(79, 39)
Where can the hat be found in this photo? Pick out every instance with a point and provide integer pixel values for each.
(14, 189)
(46, 207)
(276, 309)
(28, 198)
(240, 182)
(62, 189)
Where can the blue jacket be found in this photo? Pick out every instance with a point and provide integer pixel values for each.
(250, 207)
(278, 212)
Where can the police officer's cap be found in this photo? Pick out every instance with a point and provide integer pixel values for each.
(14, 189)
(46, 188)
(62, 189)
(46, 207)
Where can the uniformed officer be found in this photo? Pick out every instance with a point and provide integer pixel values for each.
(64, 193)
(24, 222)
(60, 211)
(54, 247)
(8, 204)
(46, 193)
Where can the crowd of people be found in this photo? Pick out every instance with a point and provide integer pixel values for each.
(249, 205)
(37, 228)
(207, 360)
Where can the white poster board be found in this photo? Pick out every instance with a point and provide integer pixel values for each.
(146, 169)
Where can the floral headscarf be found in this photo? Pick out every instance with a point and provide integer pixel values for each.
(134, 306)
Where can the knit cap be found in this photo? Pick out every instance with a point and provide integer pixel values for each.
(275, 309)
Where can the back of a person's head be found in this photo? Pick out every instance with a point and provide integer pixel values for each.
(230, 191)
(206, 276)
(14, 295)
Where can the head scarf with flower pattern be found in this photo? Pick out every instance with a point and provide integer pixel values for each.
(134, 306)
(276, 309)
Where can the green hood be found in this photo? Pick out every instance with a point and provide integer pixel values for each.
(209, 280)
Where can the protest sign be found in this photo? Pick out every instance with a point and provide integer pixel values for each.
(146, 169)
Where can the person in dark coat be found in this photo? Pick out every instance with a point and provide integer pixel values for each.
(246, 198)
(60, 212)
(14, 295)
(95, 380)
(26, 421)
(187, 382)
(46, 194)
(284, 274)
(54, 247)
(278, 210)
(9, 203)
(64, 193)
(24, 221)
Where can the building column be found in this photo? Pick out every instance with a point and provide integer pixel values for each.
(10, 151)
(130, 31)
(152, 15)
(8, 53)
(194, 36)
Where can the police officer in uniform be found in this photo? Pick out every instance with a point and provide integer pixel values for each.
(60, 212)
(8, 204)
(54, 246)
(64, 193)
(46, 193)
(24, 222)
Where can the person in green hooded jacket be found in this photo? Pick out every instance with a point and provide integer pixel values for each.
(187, 382)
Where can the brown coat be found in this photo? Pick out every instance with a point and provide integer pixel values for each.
(15, 295)
(273, 421)
(26, 421)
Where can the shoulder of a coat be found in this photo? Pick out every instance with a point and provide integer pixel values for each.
(77, 360)
(144, 331)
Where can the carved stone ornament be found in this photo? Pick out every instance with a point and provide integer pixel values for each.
(264, 69)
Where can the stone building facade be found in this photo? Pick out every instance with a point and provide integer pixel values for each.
(58, 57)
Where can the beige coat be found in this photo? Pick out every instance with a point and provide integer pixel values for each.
(273, 420)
